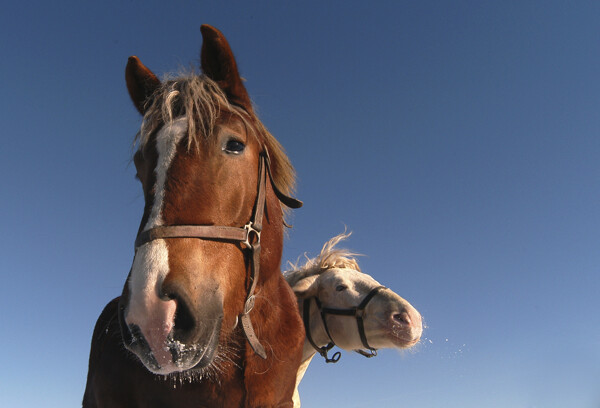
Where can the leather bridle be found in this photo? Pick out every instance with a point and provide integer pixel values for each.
(248, 236)
(356, 312)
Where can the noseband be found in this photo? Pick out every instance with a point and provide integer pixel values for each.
(248, 236)
(357, 312)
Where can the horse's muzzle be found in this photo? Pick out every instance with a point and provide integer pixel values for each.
(169, 354)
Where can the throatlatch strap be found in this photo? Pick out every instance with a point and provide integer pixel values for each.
(255, 227)
(249, 305)
(323, 351)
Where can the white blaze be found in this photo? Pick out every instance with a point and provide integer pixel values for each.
(167, 140)
(151, 261)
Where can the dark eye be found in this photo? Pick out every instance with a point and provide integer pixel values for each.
(234, 147)
(339, 288)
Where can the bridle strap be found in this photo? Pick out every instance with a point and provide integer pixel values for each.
(192, 231)
(249, 236)
(357, 312)
(323, 351)
(360, 312)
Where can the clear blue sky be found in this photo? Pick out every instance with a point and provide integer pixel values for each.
(459, 141)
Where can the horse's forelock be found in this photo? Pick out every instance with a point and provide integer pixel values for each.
(203, 101)
(330, 257)
(196, 96)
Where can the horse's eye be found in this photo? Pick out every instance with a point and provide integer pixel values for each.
(234, 147)
(339, 288)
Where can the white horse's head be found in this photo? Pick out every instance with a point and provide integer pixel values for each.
(339, 295)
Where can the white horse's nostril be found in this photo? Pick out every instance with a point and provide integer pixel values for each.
(402, 318)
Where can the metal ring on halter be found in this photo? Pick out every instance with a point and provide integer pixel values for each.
(250, 229)
(334, 358)
(324, 351)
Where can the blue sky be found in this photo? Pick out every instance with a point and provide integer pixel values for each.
(459, 141)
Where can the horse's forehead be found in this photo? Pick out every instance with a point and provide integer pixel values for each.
(163, 139)
(230, 121)
(348, 275)
(170, 134)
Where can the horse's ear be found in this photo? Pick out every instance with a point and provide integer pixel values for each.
(306, 287)
(141, 83)
(218, 63)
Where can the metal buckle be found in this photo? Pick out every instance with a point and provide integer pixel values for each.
(249, 230)
(369, 353)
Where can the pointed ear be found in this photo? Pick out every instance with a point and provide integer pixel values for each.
(218, 63)
(141, 83)
(306, 287)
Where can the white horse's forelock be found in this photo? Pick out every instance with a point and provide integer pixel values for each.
(330, 257)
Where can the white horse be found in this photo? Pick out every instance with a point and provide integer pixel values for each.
(341, 306)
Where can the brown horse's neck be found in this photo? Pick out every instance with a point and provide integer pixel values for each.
(281, 329)
(272, 236)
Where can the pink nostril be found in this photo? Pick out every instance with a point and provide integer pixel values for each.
(155, 319)
(402, 318)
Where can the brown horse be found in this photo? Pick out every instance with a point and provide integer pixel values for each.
(205, 319)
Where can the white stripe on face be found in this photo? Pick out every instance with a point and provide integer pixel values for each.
(151, 261)
(166, 143)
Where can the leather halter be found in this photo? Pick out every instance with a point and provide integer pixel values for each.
(248, 236)
(357, 312)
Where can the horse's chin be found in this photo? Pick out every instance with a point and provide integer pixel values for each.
(175, 356)
(189, 357)
(401, 337)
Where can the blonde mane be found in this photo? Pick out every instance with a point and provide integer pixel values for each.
(202, 101)
(330, 257)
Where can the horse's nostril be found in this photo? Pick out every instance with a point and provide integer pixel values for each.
(184, 322)
(402, 318)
